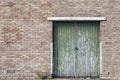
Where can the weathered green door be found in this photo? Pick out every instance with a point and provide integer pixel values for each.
(76, 49)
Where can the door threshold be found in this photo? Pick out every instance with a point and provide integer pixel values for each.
(76, 79)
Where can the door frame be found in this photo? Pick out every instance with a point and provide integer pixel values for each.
(52, 19)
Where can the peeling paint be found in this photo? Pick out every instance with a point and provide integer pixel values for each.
(77, 53)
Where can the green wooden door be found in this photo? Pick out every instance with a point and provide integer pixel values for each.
(76, 49)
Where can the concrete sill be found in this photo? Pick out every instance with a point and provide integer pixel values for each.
(79, 79)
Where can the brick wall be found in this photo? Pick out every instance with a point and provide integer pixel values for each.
(26, 35)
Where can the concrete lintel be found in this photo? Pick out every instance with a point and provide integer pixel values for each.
(76, 18)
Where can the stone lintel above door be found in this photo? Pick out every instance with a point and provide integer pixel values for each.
(76, 18)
